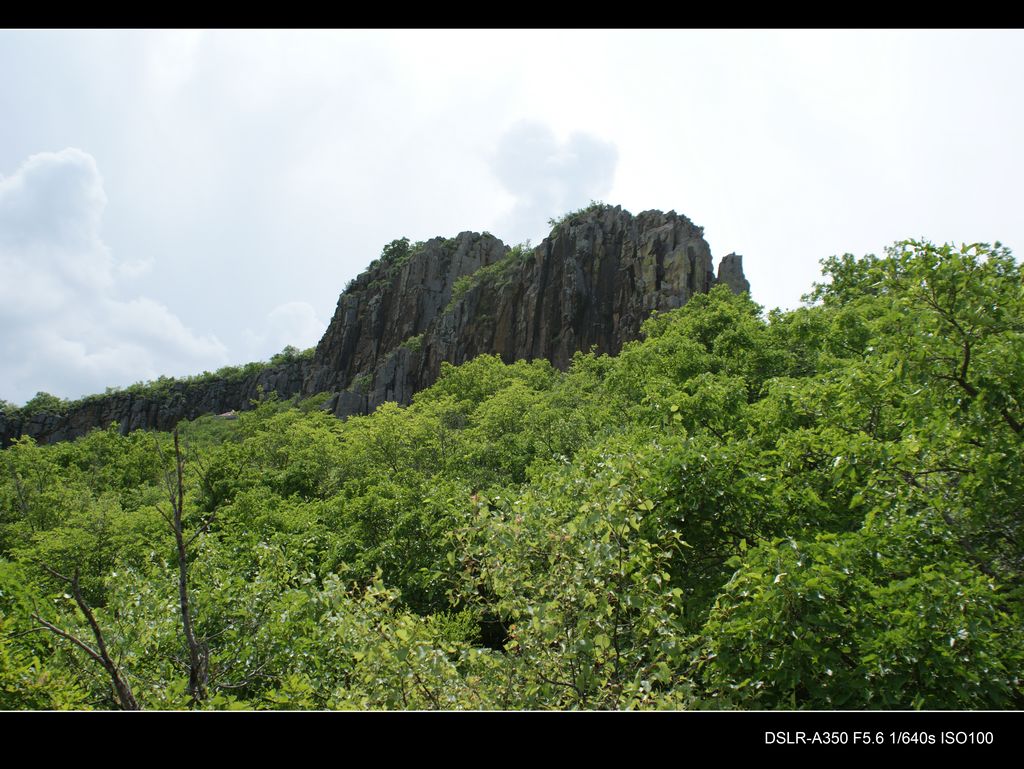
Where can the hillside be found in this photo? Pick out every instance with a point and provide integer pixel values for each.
(811, 509)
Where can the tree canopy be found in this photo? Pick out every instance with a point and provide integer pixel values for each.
(818, 508)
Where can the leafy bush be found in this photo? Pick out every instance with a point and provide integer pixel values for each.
(44, 403)
(460, 288)
(291, 354)
(361, 383)
(886, 617)
(413, 343)
(573, 216)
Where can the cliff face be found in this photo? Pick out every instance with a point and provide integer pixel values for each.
(181, 400)
(590, 284)
(391, 303)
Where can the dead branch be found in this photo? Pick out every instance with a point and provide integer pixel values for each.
(99, 654)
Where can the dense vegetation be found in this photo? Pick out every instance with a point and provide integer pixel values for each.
(812, 509)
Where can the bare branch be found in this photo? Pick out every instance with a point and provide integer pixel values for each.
(74, 639)
(100, 653)
(54, 572)
(166, 516)
(203, 528)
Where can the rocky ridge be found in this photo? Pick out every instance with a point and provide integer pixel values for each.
(588, 285)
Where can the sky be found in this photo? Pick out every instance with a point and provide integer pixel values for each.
(174, 201)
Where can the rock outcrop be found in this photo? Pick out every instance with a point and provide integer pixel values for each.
(589, 285)
(157, 411)
(730, 272)
(392, 303)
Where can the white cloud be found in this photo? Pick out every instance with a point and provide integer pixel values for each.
(63, 327)
(291, 323)
(548, 177)
(50, 249)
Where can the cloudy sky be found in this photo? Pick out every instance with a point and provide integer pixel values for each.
(174, 201)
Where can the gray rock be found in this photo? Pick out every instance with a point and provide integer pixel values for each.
(730, 272)
(186, 400)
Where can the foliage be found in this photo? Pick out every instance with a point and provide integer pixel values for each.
(396, 252)
(291, 354)
(382, 270)
(26, 682)
(884, 617)
(413, 343)
(43, 403)
(573, 216)
(361, 383)
(460, 288)
(809, 509)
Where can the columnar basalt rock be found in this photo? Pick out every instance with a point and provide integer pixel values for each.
(388, 305)
(730, 272)
(589, 285)
(181, 400)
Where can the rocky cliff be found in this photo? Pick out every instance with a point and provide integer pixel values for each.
(588, 285)
(159, 410)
